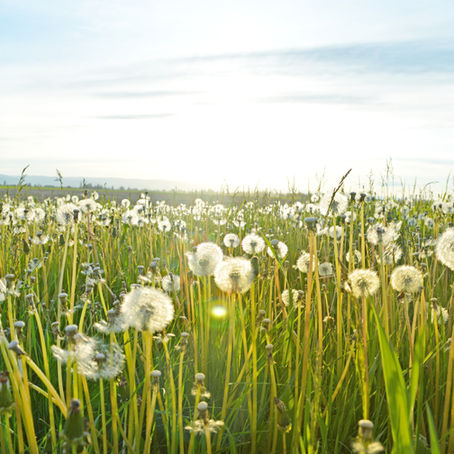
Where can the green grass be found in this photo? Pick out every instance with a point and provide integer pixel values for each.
(334, 360)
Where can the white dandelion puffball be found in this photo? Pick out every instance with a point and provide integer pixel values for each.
(380, 234)
(280, 248)
(297, 297)
(303, 262)
(363, 282)
(444, 249)
(204, 260)
(253, 244)
(234, 275)
(147, 309)
(407, 279)
(338, 205)
(325, 269)
(66, 213)
(171, 283)
(231, 240)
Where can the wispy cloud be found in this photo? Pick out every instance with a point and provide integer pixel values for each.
(394, 57)
(142, 94)
(133, 116)
(318, 98)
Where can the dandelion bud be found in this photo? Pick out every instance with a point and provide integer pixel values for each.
(202, 410)
(55, 327)
(352, 196)
(14, 346)
(9, 279)
(365, 428)
(71, 331)
(76, 213)
(255, 266)
(62, 297)
(156, 375)
(269, 351)
(199, 378)
(362, 196)
(266, 324)
(19, 325)
(6, 398)
(283, 420)
(260, 316)
(311, 223)
(73, 432)
(140, 269)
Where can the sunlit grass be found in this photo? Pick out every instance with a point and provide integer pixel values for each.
(287, 359)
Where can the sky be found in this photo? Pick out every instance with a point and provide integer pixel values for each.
(254, 93)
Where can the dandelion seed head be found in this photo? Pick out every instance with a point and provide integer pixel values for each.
(231, 240)
(253, 244)
(171, 283)
(444, 248)
(325, 269)
(363, 283)
(280, 248)
(234, 275)
(147, 309)
(204, 260)
(303, 262)
(297, 297)
(407, 279)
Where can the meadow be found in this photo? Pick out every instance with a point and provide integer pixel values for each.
(315, 324)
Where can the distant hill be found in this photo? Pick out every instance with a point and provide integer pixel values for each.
(117, 183)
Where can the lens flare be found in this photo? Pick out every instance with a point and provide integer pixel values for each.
(218, 311)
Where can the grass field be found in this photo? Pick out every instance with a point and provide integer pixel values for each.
(230, 325)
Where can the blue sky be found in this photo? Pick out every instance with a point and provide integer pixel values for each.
(244, 93)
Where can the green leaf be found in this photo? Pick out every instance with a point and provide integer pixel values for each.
(434, 445)
(396, 393)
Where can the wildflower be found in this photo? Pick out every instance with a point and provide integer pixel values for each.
(444, 249)
(438, 312)
(67, 214)
(94, 359)
(171, 283)
(406, 279)
(234, 275)
(363, 443)
(356, 256)
(280, 248)
(325, 269)
(199, 387)
(379, 234)
(391, 254)
(88, 205)
(363, 283)
(204, 260)
(253, 244)
(203, 423)
(164, 224)
(231, 240)
(337, 204)
(130, 217)
(40, 239)
(147, 309)
(297, 297)
(303, 262)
